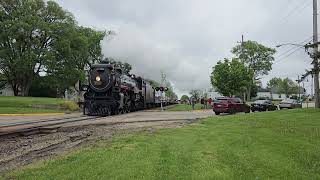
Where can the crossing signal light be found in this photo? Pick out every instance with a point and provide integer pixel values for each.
(162, 89)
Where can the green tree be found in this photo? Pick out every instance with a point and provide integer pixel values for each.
(256, 57)
(170, 93)
(79, 48)
(274, 86)
(126, 67)
(39, 37)
(283, 86)
(184, 99)
(288, 87)
(29, 28)
(195, 93)
(153, 83)
(230, 77)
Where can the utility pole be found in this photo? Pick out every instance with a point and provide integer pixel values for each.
(242, 42)
(312, 81)
(298, 81)
(163, 79)
(315, 54)
(315, 60)
(247, 94)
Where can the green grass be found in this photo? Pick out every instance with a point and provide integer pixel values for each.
(11, 105)
(25, 102)
(184, 107)
(272, 145)
(12, 110)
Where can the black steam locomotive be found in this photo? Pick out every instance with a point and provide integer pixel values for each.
(110, 92)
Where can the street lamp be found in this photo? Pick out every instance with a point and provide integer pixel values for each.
(306, 47)
(292, 44)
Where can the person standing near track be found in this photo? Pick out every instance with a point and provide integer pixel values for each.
(202, 103)
(210, 102)
(193, 102)
(205, 103)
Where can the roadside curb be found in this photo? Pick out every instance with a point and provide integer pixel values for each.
(35, 114)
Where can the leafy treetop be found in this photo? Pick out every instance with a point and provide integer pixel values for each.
(256, 56)
(230, 77)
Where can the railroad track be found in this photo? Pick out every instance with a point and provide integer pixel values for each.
(40, 126)
(52, 125)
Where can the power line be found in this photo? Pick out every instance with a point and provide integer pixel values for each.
(297, 9)
(296, 42)
(306, 41)
(290, 52)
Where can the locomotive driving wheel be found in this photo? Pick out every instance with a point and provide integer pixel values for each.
(115, 111)
(108, 111)
(104, 111)
(87, 109)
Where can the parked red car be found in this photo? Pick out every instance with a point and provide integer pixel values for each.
(229, 105)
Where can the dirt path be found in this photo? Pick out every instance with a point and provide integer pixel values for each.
(23, 150)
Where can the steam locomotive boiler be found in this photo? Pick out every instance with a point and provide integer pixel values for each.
(109, 92)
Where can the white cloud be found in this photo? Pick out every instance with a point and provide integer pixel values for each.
(185, 38)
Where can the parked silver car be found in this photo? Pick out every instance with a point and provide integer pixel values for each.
(290, 104)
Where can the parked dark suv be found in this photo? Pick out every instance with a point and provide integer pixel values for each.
(229, 105)
(263, 105)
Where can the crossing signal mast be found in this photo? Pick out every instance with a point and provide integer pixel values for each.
(161, 89)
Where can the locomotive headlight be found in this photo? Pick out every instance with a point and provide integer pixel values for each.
(98, 78)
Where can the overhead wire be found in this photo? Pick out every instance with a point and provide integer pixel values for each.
(296, 42)
(300, 7)
(291, 51)
(285, 19)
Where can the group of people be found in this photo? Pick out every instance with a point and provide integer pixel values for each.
(203, 101)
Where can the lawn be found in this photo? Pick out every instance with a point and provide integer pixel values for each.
(11, 105)
(13, 110)
(25, 102)
(184, 107)
(271, 145)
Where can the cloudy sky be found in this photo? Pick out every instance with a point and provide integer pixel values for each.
(186, 38)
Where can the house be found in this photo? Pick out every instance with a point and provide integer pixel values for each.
(212, 93)
(265, 93)
(6, 91)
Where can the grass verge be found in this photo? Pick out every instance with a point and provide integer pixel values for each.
(272, 145)
(19, 105)
(28, 101)
(12, 110)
